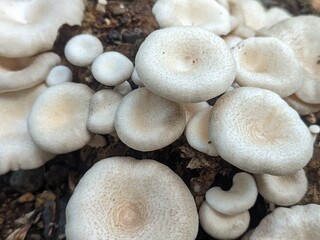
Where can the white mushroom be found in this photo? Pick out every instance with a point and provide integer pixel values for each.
(297, 222)
(193, 66)
(222, 226)
(57, 121)
(125, 198)
(112, 68)
(31, 26)
(123, 88)
(22, 73)
(255, 130)
(283, 190)
(146, 122)
(59, 74)
(83, 49)
(300, 106)
(240, 198)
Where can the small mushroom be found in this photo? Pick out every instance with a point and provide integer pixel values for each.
(146, 122)
(59, 74)
(57, 120)
(83, 49)
(193, 66)
(111, 68)
(283, 190)
(240, 198)
(255, 130)
(125, 198)
(222, 226)
(300, 106)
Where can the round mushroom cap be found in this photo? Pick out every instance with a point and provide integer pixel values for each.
(283, 190)
(146, 122)
(17, 150)
(300, 106)
(23, 73)
(275, 15)
(57, 120)
(222, 226)
(268, 63)
(59, 74)
(193, 108)
(255, 130)
(197, 132)
(297, 222)
(125, 198)
(202, 13)
(112, 68)
(83, 49)
(30, 27)
(102, 111)
(185, 64)
(299, 33)
(241, 196)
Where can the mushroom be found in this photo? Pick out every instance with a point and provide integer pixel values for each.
(83, 49)
(300, 106)
(264, 61)
(57, 120)
(255, 130)
(22, 73)
(194, 66)
(135, 78)
(17, 150)
(197, 132)
(297, 222)
(193, 108)
(238, 199)
(222, 226)
(59, 74)
(146, 122)
(283, 190)
(30, 27)
(275, 15)
(102, 111)
(120, 198)
(202, 13)
(111, 68)
(123, 88)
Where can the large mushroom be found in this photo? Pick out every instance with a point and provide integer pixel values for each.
(125, 198)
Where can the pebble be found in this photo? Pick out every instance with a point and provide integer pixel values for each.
(27, 197)
(27, 180)
(43, 197)
(118, 9)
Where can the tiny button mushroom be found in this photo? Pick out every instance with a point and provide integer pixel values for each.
(222, 226)
(102, 111)
(81, 50)
(238, 199)
(264, 61)
(125, 198)
(255, 130)
(112, 68)
(146, 122)
(57, 120)
(59, 74)
(193, 66)
(197, 132)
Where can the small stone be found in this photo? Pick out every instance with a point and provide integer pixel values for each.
(118, 9)
(27, 180)
(27, 197)
(44, 197)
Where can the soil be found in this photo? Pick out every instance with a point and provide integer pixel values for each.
(32, 202)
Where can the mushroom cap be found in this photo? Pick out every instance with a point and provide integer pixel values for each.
(241, 196)
(30, 27)
(283, 190)
(57, 120)
(299, 33)
(300, 106)
(120, 198)
(255, 130)
(197, 132)
(83, 49)
(112, 68)
(268, 63)
(146, 122)
(193, 108)
(102, 111)
(201, 13)
(222, 226)
(59, 74)
(275, 15)
(17, 150)
(123, 88)
(193, 66)
(22, 73)
(297, 222)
